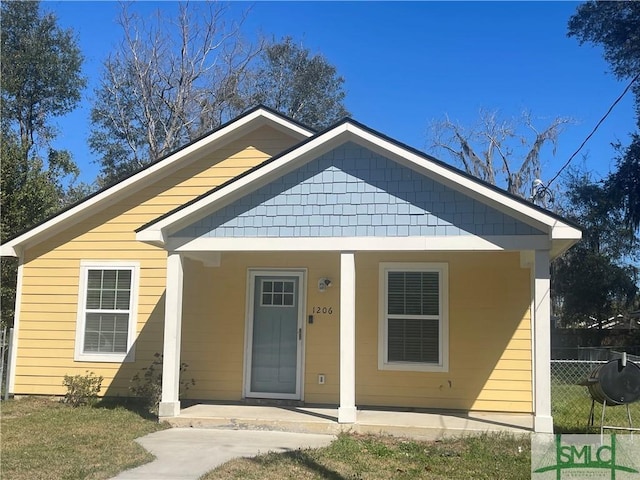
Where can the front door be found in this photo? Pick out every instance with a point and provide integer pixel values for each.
(275, 336)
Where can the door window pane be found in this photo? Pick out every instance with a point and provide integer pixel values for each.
(278, 293)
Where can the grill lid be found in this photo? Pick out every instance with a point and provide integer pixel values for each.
(617, 382)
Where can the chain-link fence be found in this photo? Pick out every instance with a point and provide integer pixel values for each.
(4, 360)
(571, 402)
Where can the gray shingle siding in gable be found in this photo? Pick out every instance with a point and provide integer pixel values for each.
(353, 192)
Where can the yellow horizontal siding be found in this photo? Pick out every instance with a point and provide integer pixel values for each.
(51, 321)
(491, 371)
(45, 335)
(502, 406)
(489, 337)
(453, 394)
(51, 269)
(214, 325)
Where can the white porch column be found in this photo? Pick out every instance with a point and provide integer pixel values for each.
(542, 422)
(347, 409)
(169, 404)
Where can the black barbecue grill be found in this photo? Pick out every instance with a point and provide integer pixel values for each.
(616, 382)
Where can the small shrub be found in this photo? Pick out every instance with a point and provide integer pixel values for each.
(82, 389)
(147, 384)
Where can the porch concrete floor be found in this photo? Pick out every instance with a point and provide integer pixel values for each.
(428, 425)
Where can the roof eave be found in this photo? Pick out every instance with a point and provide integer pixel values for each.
(9, 250)
(563, 237)
(152, 236)
(251, 120)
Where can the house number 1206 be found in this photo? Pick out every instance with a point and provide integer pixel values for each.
(326, 310)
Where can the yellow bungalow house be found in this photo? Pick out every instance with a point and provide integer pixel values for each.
(339, 267)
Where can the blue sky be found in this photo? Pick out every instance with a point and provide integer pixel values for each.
(408, 63)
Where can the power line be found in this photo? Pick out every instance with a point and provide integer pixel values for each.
(594, 129)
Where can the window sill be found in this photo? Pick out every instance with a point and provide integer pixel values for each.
(104, 357)
(412, 367)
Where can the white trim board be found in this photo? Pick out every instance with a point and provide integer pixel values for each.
(442, 243)
(183, 157)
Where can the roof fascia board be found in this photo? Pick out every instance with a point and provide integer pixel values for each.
(7, 250)
(563, 231)
(194, 151)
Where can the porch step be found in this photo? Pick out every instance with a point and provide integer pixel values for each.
(325, 421)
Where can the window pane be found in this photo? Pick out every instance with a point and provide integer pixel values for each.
(413, 293)
(106, 332)
(266, 299)
(413, 340)
(108, 289)
(121, 323)
(288, 287)
(122, 299)
(108, 323)
(277, 286)
(267, 286)
(109, 279)
(108, 300)
(395, 289)
(288, 299)
(106, 342)
(120, 343)
(277, 299)
(93, 299)
(94, 279)
(93, 322)
(431, 293)
(124, 279)
(91, 341)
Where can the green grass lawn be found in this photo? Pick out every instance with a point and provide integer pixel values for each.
(570, 408)
(43, 439)
(359, 457)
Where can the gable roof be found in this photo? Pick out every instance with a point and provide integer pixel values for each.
(560, 231)
(250, 120)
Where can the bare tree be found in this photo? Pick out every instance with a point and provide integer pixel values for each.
(170, 81)
(500, 152)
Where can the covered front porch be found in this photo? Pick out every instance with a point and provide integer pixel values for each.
(414, 423)
(343, 346)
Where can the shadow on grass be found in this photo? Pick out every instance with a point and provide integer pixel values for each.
(303, 459)
(134, 405)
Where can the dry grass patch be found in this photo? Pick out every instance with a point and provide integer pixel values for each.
(360, 457)
(44, 439)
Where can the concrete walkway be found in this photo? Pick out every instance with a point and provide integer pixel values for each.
(189, 453)
(206, 436)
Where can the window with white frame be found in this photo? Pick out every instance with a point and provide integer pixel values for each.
(106, 311)
(413, 325)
